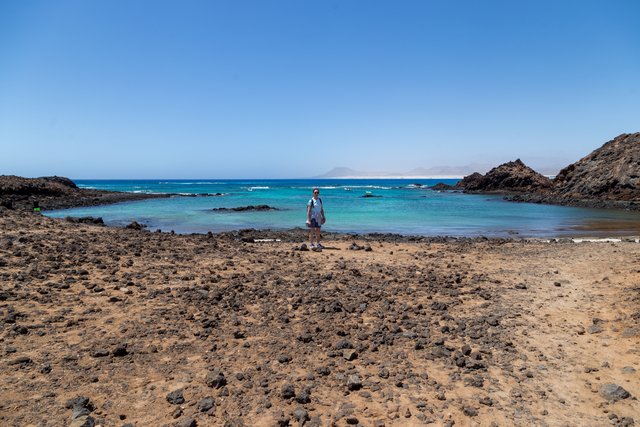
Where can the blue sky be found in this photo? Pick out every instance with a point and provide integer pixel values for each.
(278, 89)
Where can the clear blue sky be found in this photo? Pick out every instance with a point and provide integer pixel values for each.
(277, 89)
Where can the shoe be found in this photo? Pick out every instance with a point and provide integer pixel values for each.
(312, 246)
(320, 246)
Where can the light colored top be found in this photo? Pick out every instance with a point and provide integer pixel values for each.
(316, 209)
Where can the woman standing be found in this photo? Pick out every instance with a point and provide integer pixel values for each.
(315, 219)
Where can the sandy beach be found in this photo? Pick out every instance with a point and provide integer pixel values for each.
(117, 327)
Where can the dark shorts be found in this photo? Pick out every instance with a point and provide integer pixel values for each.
(314, 223)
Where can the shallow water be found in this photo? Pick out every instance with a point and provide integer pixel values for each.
(406, 207)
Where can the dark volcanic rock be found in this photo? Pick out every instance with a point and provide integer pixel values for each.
(176, 397)
(80, 406)
(473, 181)
(206, 404)
(135, 226)
(511, 177)
(246, 208)
(441, 186)
(611, 172)
(215, 379)
(56, 193)
(85, 220)
(613, 392)
(287, 391)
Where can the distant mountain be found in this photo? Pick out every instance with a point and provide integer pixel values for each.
(345, 172)
(436, 171)
(457, 171)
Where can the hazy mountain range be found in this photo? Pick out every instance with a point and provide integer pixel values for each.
(432, 172)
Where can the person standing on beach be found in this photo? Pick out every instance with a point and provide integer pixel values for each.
(315, 219)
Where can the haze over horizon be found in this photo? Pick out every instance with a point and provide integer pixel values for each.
(286, 89)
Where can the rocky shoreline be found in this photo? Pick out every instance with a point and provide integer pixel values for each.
(609, 177)
(633, 205)
(23, 194)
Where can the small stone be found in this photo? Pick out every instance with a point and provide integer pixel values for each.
(281, 419)
(626, 422)
(614, 392)
(120, 350)
(206, 404)
(185, 422)
(343, 344)
(284, 358)
(101, 352)
(301, 415)
(469, 411)
(176, 397)
(304, 396)
(215, 379)
(22, 360)
(486, 401)
(83, 421)
(354, 383)
(350, 354)
(287, 391)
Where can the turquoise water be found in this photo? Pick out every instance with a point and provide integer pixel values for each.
(404, 208)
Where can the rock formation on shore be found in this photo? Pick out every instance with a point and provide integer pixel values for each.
(612, 172)
(56, 192)
(609, 177)
(511, 177)
(250, 208)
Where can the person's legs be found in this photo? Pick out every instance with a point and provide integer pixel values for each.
(313, 231)
(318, 237)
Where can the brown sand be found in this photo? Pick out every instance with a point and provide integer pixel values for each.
(470, 332)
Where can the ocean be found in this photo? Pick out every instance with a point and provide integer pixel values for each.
(402, 206)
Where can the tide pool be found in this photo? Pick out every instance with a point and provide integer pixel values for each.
(400, 206)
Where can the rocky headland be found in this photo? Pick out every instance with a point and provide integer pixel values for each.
(609, 177)
(56, 193)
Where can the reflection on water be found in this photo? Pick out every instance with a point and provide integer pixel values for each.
(618, 227)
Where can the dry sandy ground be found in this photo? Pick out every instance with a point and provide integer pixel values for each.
(118, 327)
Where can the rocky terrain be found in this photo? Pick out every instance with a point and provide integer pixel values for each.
(124, 327)
(612, 172)
(56, 193)
(511, 177)
(609, 177)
